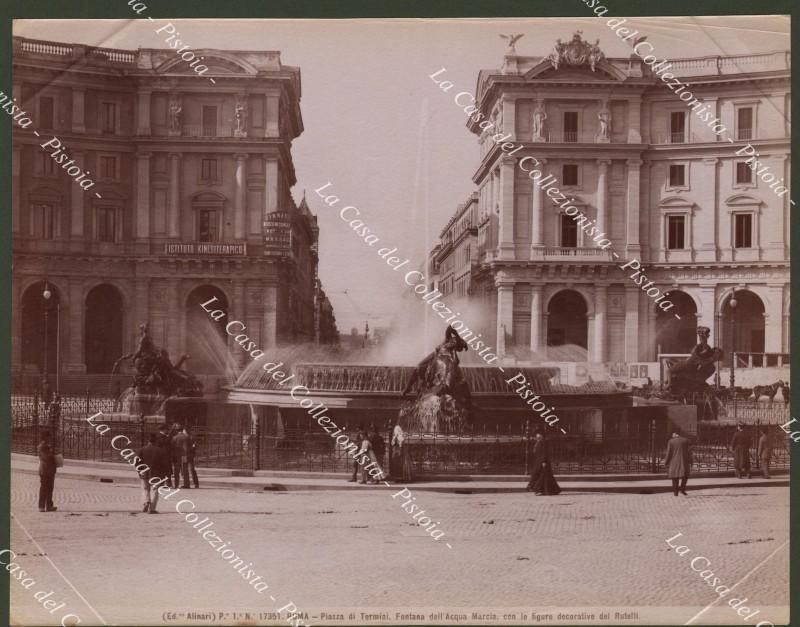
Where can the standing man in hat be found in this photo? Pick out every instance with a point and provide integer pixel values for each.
(765, 451)
(740, 446)
(47, 473)
(678, 461)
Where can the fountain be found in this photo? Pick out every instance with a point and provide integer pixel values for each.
(155, 381)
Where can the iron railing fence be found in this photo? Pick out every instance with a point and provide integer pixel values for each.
(755, 412)
(503, 449)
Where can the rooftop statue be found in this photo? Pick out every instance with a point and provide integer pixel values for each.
(576, 53)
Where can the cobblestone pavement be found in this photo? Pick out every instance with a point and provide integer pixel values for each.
(334, 551)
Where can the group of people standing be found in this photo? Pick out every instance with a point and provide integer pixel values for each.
(372, 445)
(170, 455)
(679, 456)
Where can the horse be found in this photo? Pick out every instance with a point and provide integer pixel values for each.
(767, 390)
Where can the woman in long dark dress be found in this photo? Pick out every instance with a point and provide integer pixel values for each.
(542, 480)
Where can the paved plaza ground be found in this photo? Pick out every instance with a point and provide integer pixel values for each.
(341, 552)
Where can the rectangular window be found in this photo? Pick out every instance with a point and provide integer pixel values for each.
(570, 126)
(744, 123)
(207, 225)
(676, 232)
(47, 164)
(209, 121)
(106, 224)
(44, 221)
(743, 173)
(743, 230)
(108, 117)
(569, 174)
(108, 167)
(677, 127)
(569, 232)
(208, 169)
(46, 113)
(677, 175)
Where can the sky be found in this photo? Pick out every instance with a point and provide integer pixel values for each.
(378, 129)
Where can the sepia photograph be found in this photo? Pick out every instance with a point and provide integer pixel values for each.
(399, 321)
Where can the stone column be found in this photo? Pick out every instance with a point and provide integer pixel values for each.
(773, 320)
(632, 247)
(143, 195)
(635, 120)
(16, 165)
(141, 307)
(602, 194)
(76, 209)
(536, 318)
(706, 315)
(174, 207)
(600, 323)
(509, 117)
(652, 319)
(506, 248)
(632, 324)
(238, 305)
(16, 327)
(240, 215)
(174, 324)
(505, 309)
(269, 326)
(78, 110)
(72, 322)
(537, 214)
(143, 112)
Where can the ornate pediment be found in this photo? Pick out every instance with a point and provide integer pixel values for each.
(576, 53)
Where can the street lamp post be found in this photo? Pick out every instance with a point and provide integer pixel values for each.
(732, 304)
(46, 294)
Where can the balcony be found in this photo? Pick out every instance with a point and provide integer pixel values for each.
(204, 130)
(679, 138)
(745, 134)
(561, 253)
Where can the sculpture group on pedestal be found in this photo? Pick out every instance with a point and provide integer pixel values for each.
(155, 374)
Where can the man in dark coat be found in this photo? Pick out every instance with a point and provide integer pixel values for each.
(542, 480)
(181, 443)
(191, 448)
(47, 473)
(740, 446)
(378, 446)
(359, 439)
(158, 461)
(765, 451)
(678, 461)
(175, 454)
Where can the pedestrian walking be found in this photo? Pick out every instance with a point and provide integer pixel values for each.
(175, 454)
(401, 470)
(378, 446)
(740, 447)
(765, 451)
(678, 462)
(542, 482)
(359, 439)
(192, 450)
(156, 454)
(181, 443)
(47, 473)
(366, 450)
